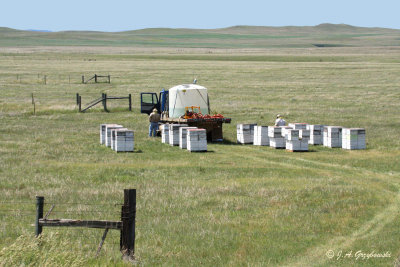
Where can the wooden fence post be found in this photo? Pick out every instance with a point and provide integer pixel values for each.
(83, 79)
(34, 105)
(80, 103)
(109, 79)
(130, 102)
(95, 78)
(77, 98)
(128, 215)
(105, 102)
(39, 214)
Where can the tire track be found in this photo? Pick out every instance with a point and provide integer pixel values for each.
(317, 255)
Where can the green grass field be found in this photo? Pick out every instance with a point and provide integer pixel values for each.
(233, 206)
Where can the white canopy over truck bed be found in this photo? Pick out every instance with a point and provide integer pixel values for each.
(187, 95)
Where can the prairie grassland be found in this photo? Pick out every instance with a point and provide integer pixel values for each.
(233, 206)
(238, 37)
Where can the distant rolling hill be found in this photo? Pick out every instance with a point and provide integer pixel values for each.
(323, 35)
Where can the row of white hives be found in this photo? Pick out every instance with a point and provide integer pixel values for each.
(190, 138)
(117, 137)
(297, 136)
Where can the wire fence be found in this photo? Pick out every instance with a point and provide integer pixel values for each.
(20, 208)
(13, 213)
(58, 79)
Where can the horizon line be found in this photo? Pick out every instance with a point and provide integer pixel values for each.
(194, 28)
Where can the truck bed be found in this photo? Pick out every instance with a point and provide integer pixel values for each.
(213, 126)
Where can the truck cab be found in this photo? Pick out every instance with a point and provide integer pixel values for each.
(149, 101)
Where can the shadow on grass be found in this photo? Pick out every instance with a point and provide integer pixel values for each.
(225, 142)
(208, 151)
(230, 142)
(135, 151)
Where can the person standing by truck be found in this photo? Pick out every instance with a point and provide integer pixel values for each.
(154, 119)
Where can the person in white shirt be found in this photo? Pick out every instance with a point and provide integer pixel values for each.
(279, 121)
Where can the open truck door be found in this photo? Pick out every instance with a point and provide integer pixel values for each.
(149, 101)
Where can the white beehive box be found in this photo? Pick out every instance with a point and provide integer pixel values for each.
(316, 134)
(353, 138)
(183, 136)
(261, 136)
(103, 131)
(292, 135)
(298, 126)
(174, 133)
(164, 133)
(245, 133)
(297, 145)
(113, 136)
(332, 136)
(294, 142)
(108, 132)
(124, 140)
(277, 142)
(196, 140)
(274, 132)
(275, 137)
(304, 134)
(285, 130)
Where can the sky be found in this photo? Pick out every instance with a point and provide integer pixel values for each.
(123, 15)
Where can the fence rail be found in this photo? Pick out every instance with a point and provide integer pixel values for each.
(103, 99)
(126, 225)
(96, 78)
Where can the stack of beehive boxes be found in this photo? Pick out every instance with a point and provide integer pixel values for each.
(298, 126)
(183, 136)
(165, 133)
(316, 132)
(261, 136)
(108, 129)
(245, 133)
(294, 142)
(276, 139)
(196, 140)
(113, 136)
(117, 137)
(174, 133)
(124, 140)
(353, 138)
(285, 130)
(332, 136)
(103, 132)
(304, 135)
